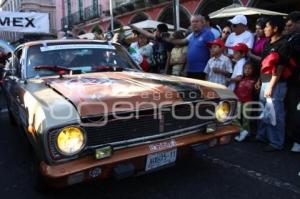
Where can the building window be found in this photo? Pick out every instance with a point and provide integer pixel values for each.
(69, 7)
(80, 8)
(96, 7)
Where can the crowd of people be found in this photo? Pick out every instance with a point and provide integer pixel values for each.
(259, 66)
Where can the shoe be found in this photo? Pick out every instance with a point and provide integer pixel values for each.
(260, 140)
(269, 148)
(237, 138)
(296, 147)
(241, 136)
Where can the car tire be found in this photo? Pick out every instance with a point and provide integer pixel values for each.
(38, 181)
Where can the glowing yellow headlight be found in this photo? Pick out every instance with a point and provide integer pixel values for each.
(70, 140)
(223, 111)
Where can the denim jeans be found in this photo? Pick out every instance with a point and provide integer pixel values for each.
(293, 115)
(267, 132)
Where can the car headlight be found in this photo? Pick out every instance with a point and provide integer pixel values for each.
(70, 140)
(223, 111)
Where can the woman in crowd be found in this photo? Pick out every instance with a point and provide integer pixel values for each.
(178, 56)
(225, 33)
(260, 41)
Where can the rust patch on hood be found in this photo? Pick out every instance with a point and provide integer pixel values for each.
(101, 93)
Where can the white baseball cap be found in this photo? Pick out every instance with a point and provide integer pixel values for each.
(239, 19)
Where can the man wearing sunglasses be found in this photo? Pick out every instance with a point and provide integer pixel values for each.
(240, 34)
(225, 33)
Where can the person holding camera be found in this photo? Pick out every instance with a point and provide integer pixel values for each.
(198, 52)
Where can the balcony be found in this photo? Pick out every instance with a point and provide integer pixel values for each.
(125, 7)
(92, 12)
(79, 17)
(134, 5)
(72, 19)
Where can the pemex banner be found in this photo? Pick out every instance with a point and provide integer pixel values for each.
(29, 22)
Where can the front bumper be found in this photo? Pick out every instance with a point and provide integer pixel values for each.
(127, 161)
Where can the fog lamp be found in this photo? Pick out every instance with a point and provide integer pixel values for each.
(210, 128)
(103, 152)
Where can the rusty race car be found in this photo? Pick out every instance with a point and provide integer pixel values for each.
(91, 113)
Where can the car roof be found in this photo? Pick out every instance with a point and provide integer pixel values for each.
(65, 41)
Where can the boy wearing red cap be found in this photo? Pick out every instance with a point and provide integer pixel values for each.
(240, 51)
(218, 66)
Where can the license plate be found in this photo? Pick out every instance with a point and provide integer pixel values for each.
(156, 160)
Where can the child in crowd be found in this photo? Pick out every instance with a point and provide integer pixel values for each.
(218, 66)
(178, 56)
(245, 91)
(240, 51)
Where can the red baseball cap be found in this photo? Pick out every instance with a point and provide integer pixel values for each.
(240, 47)
(218, 42)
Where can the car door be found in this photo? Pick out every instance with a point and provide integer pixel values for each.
(14, 87)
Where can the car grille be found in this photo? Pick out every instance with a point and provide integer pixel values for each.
(144, 126)
(148, 123)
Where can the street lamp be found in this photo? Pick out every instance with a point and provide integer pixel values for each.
(176, 14)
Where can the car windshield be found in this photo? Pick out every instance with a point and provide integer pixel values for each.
(79, 58)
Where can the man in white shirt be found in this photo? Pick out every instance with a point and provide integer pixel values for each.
(240, 34)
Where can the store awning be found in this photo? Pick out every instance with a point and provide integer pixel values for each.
(236, 9)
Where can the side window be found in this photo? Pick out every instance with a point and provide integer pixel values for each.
(16, 64)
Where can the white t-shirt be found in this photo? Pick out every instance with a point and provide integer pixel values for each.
(237, 71)
(145, 51)
(233, 39)
(216, 33)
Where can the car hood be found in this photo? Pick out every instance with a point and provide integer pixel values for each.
(100, 93)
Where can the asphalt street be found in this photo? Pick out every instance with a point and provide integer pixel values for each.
(236, 170)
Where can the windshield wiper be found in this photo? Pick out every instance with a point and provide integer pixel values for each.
(112, 69)
(58, 69)
(107, 69)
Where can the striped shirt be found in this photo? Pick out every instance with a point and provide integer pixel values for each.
(222, 63)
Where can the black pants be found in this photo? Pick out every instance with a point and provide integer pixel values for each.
(292, 116)
(200, 75)
(157, 68)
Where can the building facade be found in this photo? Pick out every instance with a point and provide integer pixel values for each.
(84, 15)
(44, 6)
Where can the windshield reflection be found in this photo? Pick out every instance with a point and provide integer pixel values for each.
(79, 60)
